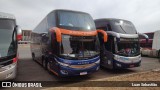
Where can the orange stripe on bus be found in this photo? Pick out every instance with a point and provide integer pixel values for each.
(60, 31)
(79, 33)
(105, 36)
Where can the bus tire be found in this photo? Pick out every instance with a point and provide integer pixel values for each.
(44, 63)
(159, 55)
(48, 66)
(33, 57)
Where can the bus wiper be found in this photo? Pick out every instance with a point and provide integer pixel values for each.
(122, 29)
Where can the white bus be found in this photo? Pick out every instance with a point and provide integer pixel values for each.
(10, 33)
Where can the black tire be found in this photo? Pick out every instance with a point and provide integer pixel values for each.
(44, 64)
(33, 57)
(48, 66)
(159, 55)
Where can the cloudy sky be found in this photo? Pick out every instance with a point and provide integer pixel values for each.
(145, 14)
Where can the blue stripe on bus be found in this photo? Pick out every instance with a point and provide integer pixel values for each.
(78, 62)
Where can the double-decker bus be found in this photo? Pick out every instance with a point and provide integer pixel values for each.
(66, 43)
(122, 50)
(10, 33)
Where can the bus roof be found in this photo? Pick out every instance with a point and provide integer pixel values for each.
(51, 17)
(57, 10)
(109, 19)
(6, 16)
(113, 25)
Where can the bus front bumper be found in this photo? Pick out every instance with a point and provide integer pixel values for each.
(118, 64)
(126, 62)
(8, 72)
(66, 71)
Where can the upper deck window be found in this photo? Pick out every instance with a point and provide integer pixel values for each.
(122, 26)
(7, 24)
(75, 21)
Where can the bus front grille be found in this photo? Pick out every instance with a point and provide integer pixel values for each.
(82, 66)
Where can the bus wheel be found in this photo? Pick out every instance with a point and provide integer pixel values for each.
(44, 64)
(48, 66)
(33, 57)
(159, 55)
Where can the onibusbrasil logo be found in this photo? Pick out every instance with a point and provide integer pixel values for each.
(19, 84)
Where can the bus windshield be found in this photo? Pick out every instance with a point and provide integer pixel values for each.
(122, 26)
(75, 21)
(7, 38)
(128, 47)
(79, 47)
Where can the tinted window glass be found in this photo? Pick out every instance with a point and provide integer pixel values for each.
(7, 38)
(79, 47)
(122, 26)
(128, 47)
(75, 21)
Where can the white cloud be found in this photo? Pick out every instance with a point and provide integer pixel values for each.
(143, 13)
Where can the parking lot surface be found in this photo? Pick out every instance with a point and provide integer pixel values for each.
(29, 70)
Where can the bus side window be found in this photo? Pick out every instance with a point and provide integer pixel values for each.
(103, 28)
(106, 28)
(52, 20)
(109, 27)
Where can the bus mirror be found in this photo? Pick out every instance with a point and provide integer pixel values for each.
(19, 33)
(145, 36)
(44, 35)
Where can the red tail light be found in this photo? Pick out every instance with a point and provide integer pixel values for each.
(14, 60)
(19, 37)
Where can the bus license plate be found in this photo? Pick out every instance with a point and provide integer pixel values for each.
(83, 73)
(131, 66)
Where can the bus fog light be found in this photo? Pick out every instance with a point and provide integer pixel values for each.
(98, 61)
(63, 64)
(119, 65)
(97, 68)
(64, 72)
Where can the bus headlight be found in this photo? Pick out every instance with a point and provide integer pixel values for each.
(116, 57)
(63, 64)
(119, 65)
(97, 62)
